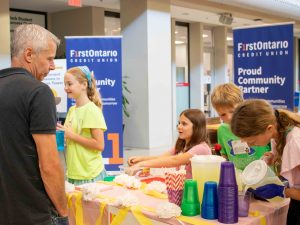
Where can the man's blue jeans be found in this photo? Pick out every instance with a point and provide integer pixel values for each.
(58, 220)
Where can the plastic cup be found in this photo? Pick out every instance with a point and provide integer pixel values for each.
(175, 196)
(60, 140)
(209, 206)
(109, 178)
(244, 199)
(227, 175)
(190, 204)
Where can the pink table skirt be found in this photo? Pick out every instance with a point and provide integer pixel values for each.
(88, 212)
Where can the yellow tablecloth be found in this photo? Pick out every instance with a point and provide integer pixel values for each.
(101, 211)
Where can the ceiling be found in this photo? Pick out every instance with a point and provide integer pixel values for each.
(284, 8)
(244, 12)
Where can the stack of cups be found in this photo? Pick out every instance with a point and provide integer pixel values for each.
(190, 205)
(227, 194)
(175, 181)
(209, 206)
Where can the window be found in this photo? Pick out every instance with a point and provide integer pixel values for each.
(182, 69)
(112, 23)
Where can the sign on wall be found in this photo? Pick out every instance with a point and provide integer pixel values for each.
(55, 79)
(263, 63)
(103, 56)
(19, 17)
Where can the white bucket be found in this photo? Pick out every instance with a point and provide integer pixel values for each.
(205, 168)
(257, 174)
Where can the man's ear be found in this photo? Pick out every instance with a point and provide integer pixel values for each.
(28, 55)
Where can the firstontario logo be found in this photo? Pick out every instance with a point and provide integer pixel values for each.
(262, 48)
(92, 55)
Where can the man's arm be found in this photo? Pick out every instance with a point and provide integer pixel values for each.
(51, 171)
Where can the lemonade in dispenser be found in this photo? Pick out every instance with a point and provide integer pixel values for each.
(206, 168)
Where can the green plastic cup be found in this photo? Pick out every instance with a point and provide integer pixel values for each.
(109, 178)
(190, 205)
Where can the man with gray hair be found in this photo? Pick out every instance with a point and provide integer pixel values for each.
(32, 190)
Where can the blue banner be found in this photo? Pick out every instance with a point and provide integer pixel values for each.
(103, 56)
(263, 63)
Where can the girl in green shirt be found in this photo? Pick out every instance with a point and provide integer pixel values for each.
(84, 127)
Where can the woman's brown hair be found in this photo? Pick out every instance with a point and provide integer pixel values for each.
(252, 118)
(199, 135)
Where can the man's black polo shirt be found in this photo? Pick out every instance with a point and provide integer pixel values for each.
(26, 107)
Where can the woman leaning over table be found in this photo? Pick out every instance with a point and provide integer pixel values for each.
(257, 123)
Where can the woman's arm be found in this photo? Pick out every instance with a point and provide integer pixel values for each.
(96, 142)
(167, 161)
(293, 193)
(136, 159)
(162, 161)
